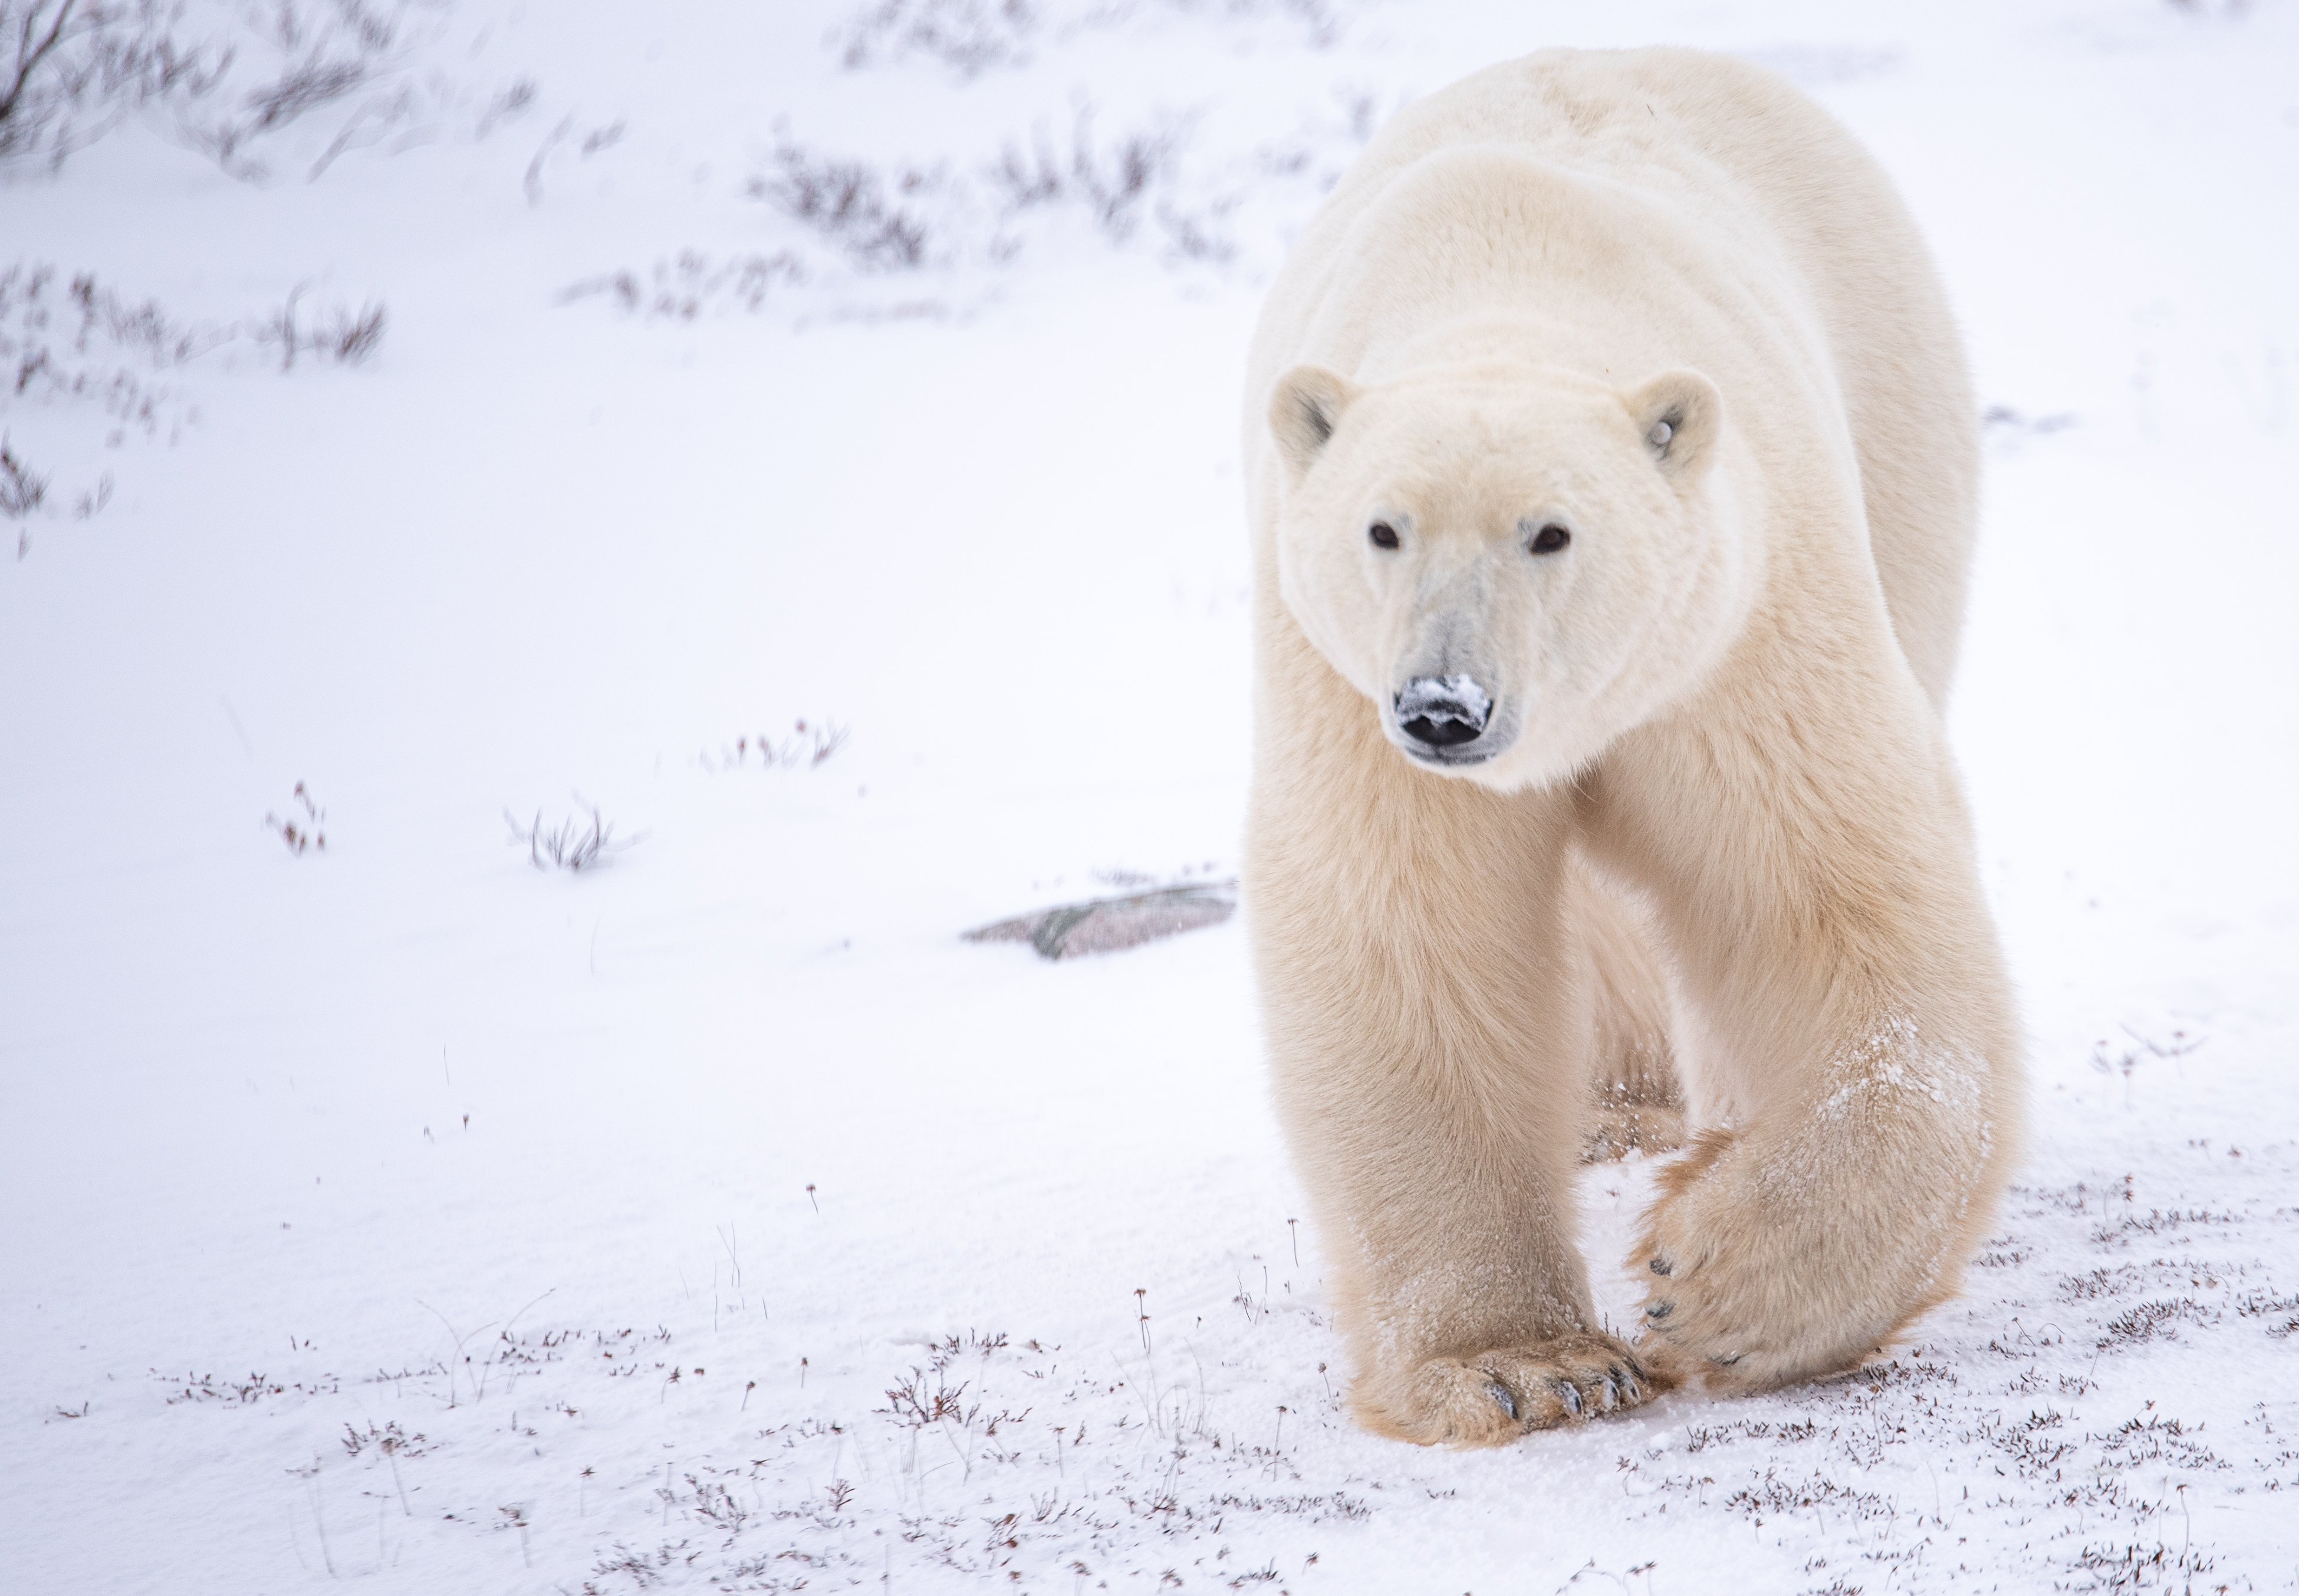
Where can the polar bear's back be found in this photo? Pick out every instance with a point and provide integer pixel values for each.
(1734, 154)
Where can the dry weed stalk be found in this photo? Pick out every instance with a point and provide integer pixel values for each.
(569, 844)
(22, 490)
(340, 336)
(303, 835)
(807, 747)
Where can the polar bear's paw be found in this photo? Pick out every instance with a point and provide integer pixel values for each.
(1741, 1300)
(1497, 1396)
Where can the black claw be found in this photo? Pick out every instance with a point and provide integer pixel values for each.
(1612, 1394)
(1661, 1266)
(1727, 1361)
(1660, 1311)
(1568, 1394)
(1626, 1381)
(1504, 1396)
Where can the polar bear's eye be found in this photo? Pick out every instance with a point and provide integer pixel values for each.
(1550, 540)
(1383, 535)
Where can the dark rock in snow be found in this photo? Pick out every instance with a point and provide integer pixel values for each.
(1108, 925)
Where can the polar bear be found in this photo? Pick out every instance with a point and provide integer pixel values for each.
(1612, 469)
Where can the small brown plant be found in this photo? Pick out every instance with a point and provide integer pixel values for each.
(921, 1399)
(301, 833)
(569, 844)
(22, 490)
(805, 748)
(683, 286)
(340, 336)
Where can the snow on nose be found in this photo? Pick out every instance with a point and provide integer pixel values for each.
(1443, 712)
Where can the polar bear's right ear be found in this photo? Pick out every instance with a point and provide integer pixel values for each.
(1304, 409)
(1678, 414)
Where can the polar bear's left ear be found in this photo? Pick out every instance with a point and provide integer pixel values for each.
(1677, 413)
(1304, 408)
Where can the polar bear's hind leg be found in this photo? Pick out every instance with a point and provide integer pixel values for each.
(1639, 1106)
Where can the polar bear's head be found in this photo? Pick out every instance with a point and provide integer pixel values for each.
(1515, 563)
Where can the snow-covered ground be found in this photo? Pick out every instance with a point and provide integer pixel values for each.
(396, 1212)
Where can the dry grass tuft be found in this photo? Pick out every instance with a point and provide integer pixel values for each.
(299, 833)
(570, 844)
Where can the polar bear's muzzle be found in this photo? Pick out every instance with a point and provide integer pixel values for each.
(1442, 719)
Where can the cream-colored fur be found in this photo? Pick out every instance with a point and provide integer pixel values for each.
(1659, 302)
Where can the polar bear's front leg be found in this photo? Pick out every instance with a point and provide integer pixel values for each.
(1446, 1216)
(1854, 1060)
(1797, 1246)
(1430, 1054)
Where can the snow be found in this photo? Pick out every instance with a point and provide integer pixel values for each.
(716, 1219)
(1448, 696)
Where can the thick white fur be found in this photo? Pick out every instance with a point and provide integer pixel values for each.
(1725, 773)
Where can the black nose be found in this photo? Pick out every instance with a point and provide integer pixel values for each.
(1443, 712)
(1442, 730)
